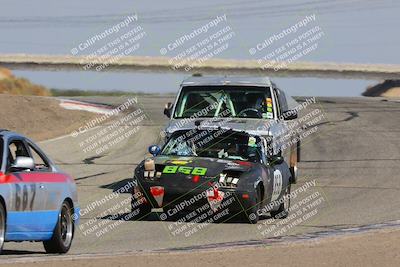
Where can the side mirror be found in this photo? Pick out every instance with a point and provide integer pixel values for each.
(22, 163)
(154, 150)
(289, 115)
(276, 160)
(168, 109)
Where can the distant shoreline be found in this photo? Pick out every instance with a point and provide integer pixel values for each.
(80, 92)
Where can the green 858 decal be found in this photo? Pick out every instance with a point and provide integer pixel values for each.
(185, 170)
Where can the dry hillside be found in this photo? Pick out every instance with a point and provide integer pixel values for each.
(39, 117)
(9, 84)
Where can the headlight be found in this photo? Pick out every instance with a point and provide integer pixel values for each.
(150, 169)
(229, 179)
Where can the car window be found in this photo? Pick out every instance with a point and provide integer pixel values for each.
(193, 102)
(39, 160)
(16, 148)
(224, 101)
(282, 100)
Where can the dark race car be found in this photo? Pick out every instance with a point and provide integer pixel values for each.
(213, 168)
(252, 104)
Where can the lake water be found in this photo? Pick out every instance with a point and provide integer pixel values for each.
(360, 31)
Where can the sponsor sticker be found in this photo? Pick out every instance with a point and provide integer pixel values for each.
(252, 141)
(179, 162)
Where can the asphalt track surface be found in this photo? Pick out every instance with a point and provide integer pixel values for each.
(354, 158)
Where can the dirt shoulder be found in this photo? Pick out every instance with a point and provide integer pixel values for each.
(380, 248)
(387, 88)
(39, 118)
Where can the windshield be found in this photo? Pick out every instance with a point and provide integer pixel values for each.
(221, 144)
(225, 101)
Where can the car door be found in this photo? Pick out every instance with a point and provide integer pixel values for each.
(52, 184)
(26, 202)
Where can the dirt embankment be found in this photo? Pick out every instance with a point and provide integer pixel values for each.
(39, 118)
(9, 84)
(387, 88)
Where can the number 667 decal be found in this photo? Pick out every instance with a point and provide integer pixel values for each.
(22, 194)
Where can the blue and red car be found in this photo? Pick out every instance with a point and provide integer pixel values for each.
(38, 202)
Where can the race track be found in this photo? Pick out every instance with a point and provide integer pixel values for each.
(354, 157)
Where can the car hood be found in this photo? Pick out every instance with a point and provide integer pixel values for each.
(251, 126)
(214, 166)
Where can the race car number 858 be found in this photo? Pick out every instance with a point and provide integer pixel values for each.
(185, 170)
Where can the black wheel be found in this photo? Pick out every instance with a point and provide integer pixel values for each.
(253, 213)
(283, 210)
(63, 233)
(2, 226)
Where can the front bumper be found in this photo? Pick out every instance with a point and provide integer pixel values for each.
(176, 199)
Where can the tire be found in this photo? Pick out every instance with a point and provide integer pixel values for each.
(283, 210)
(2, 226)
(252, 215)
(63, 233)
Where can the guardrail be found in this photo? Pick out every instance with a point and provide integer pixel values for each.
(211, 66)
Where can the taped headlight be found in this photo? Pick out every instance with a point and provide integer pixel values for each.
(150, 169)
(229, 179)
